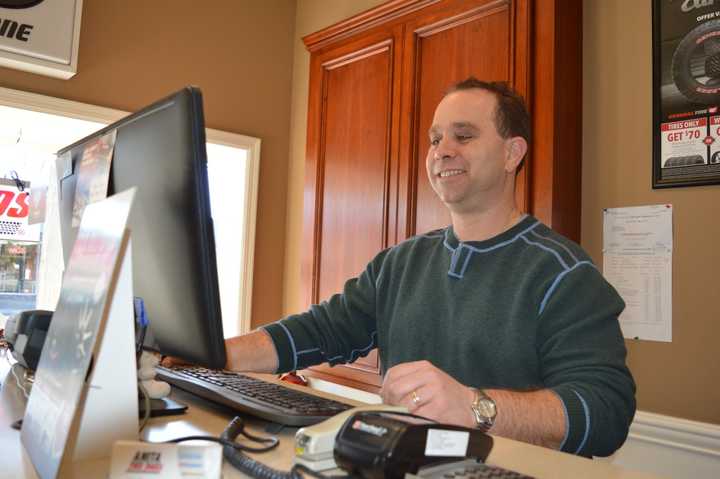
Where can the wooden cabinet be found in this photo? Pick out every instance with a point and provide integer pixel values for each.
(375, 80)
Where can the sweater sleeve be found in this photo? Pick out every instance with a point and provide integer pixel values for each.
(339, 330)
(583, 354)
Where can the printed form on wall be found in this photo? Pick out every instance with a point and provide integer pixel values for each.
(637, 261)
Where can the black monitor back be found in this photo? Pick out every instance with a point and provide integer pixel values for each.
(161, 151)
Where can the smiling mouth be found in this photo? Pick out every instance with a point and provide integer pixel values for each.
(448, 173)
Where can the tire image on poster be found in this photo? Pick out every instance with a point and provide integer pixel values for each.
(19, 3)
(686, 92)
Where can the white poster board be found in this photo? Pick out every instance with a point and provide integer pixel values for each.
(84, 397)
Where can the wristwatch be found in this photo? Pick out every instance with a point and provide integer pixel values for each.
(484, 410)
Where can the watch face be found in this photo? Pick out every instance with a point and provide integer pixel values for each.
(487, 407)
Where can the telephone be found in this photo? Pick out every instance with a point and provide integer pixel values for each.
(25, 333)
(314, 444)
(385, 441)
(382, 444)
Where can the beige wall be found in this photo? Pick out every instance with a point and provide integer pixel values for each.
(312, 15)
(679, 378)
(239, 52)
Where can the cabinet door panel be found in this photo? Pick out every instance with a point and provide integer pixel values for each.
(353, 221)
(476, 42)
(350, 183)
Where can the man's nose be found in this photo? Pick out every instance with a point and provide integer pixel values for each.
(445, 149)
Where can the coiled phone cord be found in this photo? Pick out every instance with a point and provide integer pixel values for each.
(250, 466)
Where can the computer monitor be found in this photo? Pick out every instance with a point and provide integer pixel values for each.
(161, 151)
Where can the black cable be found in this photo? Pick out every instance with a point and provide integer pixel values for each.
(309, 472)
(19, 184)
(239, 447)
(254, 468)
(233, 452)
(229, 441)
(244, 463)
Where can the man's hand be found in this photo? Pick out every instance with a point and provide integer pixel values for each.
(536, 416)
(172, 361)
(428, 391)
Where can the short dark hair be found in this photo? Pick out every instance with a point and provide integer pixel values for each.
(511, 115)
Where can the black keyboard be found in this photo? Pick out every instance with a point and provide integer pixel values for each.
(253, 396)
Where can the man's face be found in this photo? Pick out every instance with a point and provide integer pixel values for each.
(468, 161)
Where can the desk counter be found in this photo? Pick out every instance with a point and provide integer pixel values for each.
(207, 418)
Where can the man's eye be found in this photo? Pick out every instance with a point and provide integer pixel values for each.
(434, 141)
(463, 138)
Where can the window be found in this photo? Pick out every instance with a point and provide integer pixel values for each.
(33, 127)
(28, 140)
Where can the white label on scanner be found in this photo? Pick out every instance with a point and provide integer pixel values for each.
(441, 442)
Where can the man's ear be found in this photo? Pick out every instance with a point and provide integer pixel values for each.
(516, 148)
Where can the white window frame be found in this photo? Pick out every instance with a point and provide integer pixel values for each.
(84, 111)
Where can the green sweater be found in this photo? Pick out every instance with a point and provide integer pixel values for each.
(524, 310)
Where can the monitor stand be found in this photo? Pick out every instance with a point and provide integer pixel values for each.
(162, 407)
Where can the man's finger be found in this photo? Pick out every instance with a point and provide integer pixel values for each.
(411, 367)
(398, 387)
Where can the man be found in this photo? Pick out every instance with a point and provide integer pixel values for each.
(495, 322)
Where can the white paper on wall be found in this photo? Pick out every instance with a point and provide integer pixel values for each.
(637, 261)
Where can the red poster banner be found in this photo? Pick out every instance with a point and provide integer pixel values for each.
(14, 212)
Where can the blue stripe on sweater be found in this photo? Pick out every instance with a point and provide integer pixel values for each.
(557, 281)
(457, 252)
(549, 250)
(567, 420)
(587, 421)
(499, 245)
(535, 233)
(292, 344)
(358, 351)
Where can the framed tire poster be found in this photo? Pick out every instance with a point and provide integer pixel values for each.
(686, 93)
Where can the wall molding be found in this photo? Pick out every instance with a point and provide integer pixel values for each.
(252, 180)
(670, 446)
(676, 433)
(59, 106)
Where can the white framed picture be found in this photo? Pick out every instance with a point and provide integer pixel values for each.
(40, 36)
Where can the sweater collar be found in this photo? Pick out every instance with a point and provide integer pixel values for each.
(527, 222)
